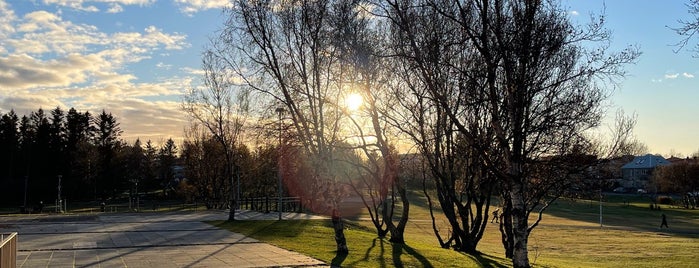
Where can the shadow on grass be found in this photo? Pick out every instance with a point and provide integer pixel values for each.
(618, 215)
(339, 259)
(485, 260)
(398, 250)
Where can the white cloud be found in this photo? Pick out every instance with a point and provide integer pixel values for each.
(574, 13)
(194, 6)
(48, 61)
(162, 65)
(114, 6)
(193, 71)
(139, 118)
(678, 75)
(672, 76)
(7, 17)
(24, 72)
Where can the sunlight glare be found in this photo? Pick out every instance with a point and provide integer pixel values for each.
(353, 101)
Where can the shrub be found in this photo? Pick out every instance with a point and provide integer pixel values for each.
(665, 200)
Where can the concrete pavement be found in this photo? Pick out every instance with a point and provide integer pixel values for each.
(145, 240)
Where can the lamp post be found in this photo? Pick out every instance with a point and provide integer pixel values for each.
(138, 199)
(279, 111)
(26, 184)
(600, 202)
(60, 206)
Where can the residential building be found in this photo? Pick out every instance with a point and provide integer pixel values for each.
(636, 174)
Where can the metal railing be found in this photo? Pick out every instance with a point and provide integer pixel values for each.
(268, 204)
(8, 250)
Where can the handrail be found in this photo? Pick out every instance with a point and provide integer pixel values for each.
(269, 203)
(8, 250)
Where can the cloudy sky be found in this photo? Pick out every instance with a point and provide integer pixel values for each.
(135, 58)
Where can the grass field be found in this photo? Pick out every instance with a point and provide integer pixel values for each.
(568, 236)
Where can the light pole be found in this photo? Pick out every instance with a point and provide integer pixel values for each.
(26, 184)
(279, 111)
(600, 202)
(138, 199)
(60, 206)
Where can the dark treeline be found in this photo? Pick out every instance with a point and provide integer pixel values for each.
(84, 150)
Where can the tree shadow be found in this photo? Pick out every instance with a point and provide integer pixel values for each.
(486, 260)
(368, 250)
(338, 260)
(399, 249)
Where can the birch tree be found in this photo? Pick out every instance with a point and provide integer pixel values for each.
(286, 53)
(220, 106)
(538, 79)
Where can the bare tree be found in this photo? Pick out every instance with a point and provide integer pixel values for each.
(288, 52)
(206, 163)
(620, 139)
(689, 28)
(220, 106)
(360, 41)
(429, 62)
(539, 80)
(679, 178)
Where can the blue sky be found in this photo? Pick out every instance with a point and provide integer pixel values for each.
(135, 58)
(662, 88)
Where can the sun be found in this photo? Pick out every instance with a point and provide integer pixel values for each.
(353, 101)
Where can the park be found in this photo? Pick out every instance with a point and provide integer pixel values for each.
(406, 133)
(569, 236)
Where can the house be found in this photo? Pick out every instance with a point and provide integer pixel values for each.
(637, 173)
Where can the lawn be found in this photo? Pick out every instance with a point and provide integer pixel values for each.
(568, 236)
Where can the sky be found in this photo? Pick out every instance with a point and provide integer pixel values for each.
(135, 59)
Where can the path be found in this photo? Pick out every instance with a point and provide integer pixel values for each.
(144, 240)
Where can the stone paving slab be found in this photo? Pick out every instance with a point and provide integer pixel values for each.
(145, 240)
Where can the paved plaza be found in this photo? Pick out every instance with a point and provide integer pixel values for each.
(145, 240)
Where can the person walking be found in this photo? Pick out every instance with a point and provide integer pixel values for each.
(495, 216)
(664, 222)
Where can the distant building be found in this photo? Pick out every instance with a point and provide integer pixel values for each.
(637, 173)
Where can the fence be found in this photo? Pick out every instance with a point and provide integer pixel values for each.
(267, 204)
(8, 250)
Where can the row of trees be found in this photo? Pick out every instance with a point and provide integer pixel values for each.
(86, 151)
(498, 98)
(681, 178)
(94, 163)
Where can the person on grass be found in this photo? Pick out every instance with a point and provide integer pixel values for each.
(664, 222)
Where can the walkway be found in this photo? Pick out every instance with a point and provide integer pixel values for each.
(145, 240)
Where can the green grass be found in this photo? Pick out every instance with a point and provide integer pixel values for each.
(568, 236)
(315, 238)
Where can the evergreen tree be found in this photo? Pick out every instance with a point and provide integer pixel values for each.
(151, 156)
(43, 181)
(166, 159)
(9, 145)
(107, 142)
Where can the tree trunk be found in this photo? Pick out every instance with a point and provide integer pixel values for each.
(339, 227)
(520, 224)
(506, 228)
(398, 231)
(233, 203)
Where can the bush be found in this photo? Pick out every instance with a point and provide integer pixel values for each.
(665, 200)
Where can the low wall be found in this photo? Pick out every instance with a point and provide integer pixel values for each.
(8, 250)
